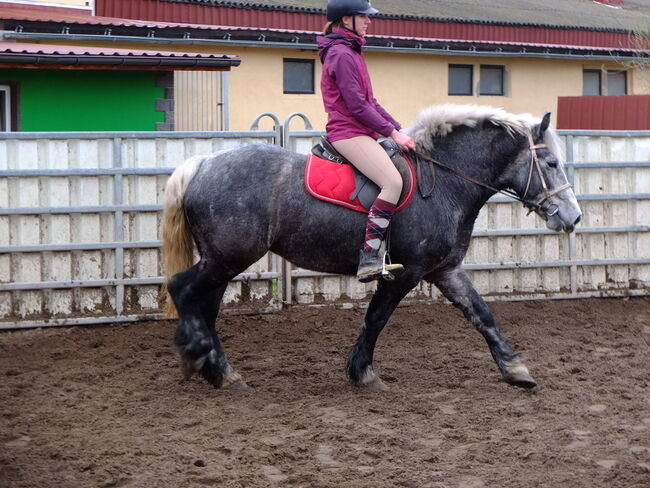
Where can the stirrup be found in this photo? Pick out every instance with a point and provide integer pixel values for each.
(389, 270)
(378, 268)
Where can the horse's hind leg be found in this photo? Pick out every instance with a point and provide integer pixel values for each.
(457, 287)
(197, 297)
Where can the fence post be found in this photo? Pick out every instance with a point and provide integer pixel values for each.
(276, 126)
(286, 141)
(572, 236)
(118, 201)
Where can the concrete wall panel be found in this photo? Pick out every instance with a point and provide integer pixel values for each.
(522, 240)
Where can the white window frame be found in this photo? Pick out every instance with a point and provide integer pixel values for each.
(599, 85)
(611, 72)
(457, 93)
(6, 89)
(304, 61)
(501, 68)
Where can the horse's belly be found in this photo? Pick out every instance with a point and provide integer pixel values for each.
(325, 260)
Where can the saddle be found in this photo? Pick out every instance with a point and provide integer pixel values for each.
(330, 177)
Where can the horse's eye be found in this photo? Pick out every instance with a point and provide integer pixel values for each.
(552, 163)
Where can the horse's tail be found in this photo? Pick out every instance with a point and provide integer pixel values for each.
(178, 243)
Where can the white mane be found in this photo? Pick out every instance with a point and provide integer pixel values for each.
(440, 120)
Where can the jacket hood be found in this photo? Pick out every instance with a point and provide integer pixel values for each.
(339, 36)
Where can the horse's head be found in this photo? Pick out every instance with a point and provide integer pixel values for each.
(541, 182)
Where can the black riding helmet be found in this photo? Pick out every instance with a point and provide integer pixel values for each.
(340, 8)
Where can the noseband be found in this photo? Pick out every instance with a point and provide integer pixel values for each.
(550, 209)
(532, 206)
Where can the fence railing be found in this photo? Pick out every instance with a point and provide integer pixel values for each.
(80, 228)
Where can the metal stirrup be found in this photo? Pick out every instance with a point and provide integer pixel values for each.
(385, 274)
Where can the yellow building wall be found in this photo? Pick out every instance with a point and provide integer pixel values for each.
(641, 84)
(404, 83)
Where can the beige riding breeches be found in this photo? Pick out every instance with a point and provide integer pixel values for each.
(371, 159)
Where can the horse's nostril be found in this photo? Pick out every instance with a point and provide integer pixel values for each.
(577, 220)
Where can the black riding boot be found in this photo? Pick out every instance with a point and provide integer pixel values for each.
(372, 267)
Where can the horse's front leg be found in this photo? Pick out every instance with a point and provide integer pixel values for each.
(383, 303)
(457, 287)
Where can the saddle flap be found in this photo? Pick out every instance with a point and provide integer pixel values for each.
(344, 185)
(329, 147)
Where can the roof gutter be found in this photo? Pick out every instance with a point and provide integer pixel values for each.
(127, 61)
(582, 53)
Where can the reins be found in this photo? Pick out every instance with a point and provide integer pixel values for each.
(534, 162)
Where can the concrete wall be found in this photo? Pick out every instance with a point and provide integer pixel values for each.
(93, 215)
(80, 229)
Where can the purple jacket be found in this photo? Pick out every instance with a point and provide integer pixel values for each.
(347, 92)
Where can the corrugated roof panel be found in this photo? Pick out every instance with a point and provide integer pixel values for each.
(152, 14)
(624, 112)
(34, 48)
(567, 13)
(303, 21)
(50, 55)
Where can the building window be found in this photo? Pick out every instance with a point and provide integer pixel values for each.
(591, 82)
(298, 75)
(492, 80)
(5, 108)
(460, 79)
(616, 83)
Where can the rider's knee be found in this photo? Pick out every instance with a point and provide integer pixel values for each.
(395, 185)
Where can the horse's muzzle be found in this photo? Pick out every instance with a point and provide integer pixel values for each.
(557, 223)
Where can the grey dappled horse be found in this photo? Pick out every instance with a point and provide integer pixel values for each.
(238, 204)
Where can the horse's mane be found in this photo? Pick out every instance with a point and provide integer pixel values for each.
(440, 120)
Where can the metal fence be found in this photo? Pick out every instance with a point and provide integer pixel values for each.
(80, 228)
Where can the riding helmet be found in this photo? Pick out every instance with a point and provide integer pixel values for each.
(340, 8)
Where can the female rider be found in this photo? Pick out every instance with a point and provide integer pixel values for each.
(356, 120)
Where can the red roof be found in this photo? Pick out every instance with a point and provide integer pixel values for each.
(45, 55)
(213, 14)
(162, 15)
(31, 48)
(23, 12)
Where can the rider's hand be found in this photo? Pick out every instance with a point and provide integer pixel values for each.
(403, 140)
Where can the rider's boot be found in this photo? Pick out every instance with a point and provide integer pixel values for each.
(372, 262)
(372, 267)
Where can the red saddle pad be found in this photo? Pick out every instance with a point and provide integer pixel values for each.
(334, 183)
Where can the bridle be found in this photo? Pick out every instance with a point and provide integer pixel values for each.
(549, 209)
(546, 194)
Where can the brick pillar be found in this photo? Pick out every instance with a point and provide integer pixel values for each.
(166, 105)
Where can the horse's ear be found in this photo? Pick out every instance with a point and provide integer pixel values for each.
(543, 125)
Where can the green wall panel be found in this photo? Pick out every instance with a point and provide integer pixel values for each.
(80, 100)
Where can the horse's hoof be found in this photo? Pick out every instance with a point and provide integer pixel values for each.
(238, 385)
(517, 374)
(377, 384)
(187, 368)
(233, 380)
(372, 381)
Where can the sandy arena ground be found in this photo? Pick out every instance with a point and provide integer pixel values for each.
(106, 407)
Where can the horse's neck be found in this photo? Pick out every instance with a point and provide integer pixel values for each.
(485, 158)
(488, 153)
